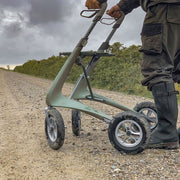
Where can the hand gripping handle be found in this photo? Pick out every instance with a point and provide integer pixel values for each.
(119, 21)
(111, 20)
(98, 12)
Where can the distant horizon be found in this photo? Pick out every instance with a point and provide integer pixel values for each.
(11, 66)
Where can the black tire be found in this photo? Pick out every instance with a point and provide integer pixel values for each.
(54, 129)
(148, 109)
(129, 133)
(76, 122)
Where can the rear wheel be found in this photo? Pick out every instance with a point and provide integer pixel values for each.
(129, 133)
(149, 110)
(54, 129)
(76, 122)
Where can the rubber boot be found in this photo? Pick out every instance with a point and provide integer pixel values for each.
(165, 134)
(179, 134)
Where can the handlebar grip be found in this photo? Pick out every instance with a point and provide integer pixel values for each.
(119, 21)
(116, 22)
(97, 12)
(101, 12)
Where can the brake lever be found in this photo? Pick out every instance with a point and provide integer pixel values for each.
(89, 10)
(102, 21)
(117, 21)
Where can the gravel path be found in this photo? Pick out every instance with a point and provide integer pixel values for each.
(25, 154)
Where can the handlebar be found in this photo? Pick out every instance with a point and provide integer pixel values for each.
(101, 12)
(94, 12)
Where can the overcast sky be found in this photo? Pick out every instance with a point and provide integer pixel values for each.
(37, 29)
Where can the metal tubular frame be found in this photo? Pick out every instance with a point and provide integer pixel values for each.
(82, 90)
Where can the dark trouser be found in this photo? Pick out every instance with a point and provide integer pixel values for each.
(161, 45)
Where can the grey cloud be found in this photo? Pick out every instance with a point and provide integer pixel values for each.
(13, 3)
(2, 15)
(42, 28)
(13, 30)
(12, 24)
(45, 11)
(21, 17)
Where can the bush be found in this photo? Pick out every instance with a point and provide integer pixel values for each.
(117, 73)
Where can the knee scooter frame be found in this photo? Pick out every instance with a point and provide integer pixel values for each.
(138, 127)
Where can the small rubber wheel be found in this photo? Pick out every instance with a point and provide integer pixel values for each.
(76, 122)
(129, 133)
(54, 129)
(148, 109)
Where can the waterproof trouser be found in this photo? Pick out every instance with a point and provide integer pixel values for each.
(161, 45)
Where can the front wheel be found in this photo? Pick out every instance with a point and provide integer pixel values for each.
(129, 133)
(54, 129)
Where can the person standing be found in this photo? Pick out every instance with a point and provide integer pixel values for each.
(160, 65)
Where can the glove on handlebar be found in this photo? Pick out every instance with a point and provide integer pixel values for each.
(92, 4)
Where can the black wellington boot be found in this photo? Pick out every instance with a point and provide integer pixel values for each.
(179, 134)
(165, 135)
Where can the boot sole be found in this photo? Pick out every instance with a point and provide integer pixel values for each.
(169, 145)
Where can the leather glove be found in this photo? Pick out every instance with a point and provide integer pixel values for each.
(114, 12)
(92, 4)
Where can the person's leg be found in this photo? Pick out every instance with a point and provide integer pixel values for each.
(157, 66)
(176, 74)
(173, 18)
(179, 134)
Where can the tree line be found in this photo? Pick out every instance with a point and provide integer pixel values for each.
(117, 73)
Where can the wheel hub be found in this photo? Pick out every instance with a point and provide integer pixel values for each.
(52, 130)
(128, 133)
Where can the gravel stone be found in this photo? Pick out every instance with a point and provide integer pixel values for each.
(25, 154)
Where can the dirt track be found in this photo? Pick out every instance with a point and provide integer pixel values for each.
(25, 154)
